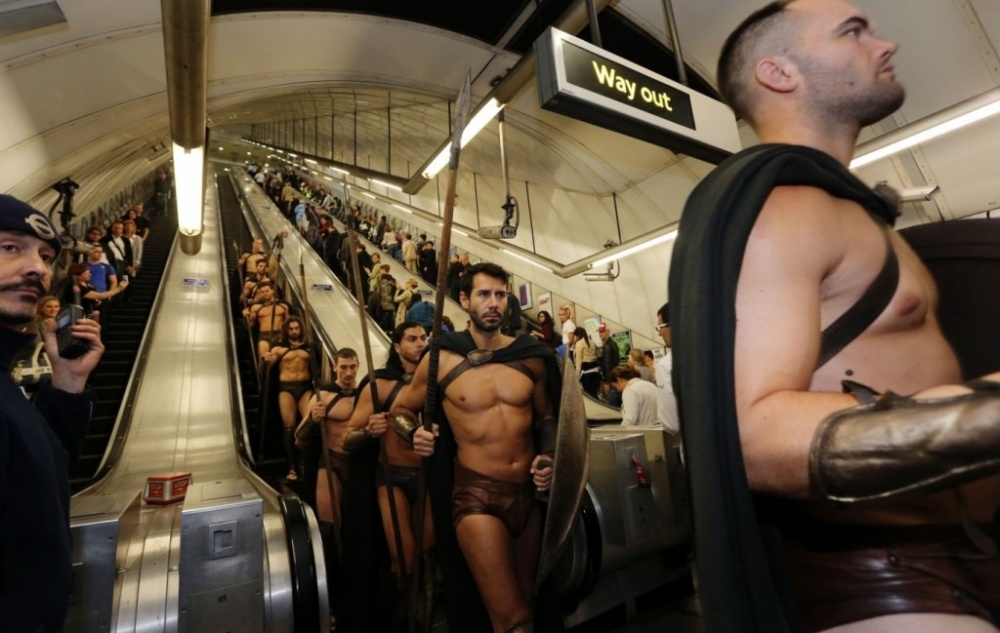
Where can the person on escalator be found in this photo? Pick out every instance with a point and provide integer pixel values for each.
(293, 356)
(588, 368)
(428, 263)
(91, 298)
(546, 330)
(38, 442)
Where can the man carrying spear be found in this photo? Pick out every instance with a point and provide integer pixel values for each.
(493, 450)
(392, 467)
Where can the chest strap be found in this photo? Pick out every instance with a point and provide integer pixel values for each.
(468, 363)
(396, 388)
(863, 313)
(337, 398)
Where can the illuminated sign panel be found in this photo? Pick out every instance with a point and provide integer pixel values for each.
(585, 82)
(620, 83)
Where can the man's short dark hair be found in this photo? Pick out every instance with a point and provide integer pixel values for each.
(486, 268)
(344, 352)
(664, 313)
(733, 71)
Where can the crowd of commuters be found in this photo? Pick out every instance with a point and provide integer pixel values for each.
(390, 301)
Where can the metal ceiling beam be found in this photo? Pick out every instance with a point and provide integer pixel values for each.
(514, 82)
(185, 46)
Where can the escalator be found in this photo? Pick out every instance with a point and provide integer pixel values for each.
(142, 565)
(123, 334)
(262, 417)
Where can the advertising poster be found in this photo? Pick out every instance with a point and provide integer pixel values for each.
(524, 295)
(591, 326)
(545, 303)
(623, 340)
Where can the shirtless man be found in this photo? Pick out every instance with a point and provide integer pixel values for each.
(254, 280)
(808, 75)
(332, 405)
(248, 261)
(408, 342)
(295, 387)
(269, 315)
(365, 429)
(499, 409)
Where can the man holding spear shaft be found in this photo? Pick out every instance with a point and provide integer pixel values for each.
(494, 398)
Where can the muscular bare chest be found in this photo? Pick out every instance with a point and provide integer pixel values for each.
(903, 349)
(487, 386)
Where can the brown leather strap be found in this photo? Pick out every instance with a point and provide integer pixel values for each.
(849, 325)
(465, 365)
(387, 403)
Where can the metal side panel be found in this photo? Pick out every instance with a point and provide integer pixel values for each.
(222, 559)
(101, 528)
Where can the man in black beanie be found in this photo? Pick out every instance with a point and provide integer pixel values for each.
(39, 442)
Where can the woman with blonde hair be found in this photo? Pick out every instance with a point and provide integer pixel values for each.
(637, 359)
(403, 298)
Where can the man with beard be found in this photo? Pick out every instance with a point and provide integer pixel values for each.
(38, 443)
(793, 301)
(253, 281)
(295, 388)
(497, 434)
(269, 315)
(331, 406)
(364, 430)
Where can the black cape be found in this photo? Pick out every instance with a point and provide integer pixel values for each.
(743, 581)
(368, 586)
(466, 611)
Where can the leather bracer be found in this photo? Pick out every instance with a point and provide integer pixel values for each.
(404, 424)
(545, 435)
(898, 447)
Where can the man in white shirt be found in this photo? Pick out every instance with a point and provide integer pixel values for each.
(667, 409)
(640, 398)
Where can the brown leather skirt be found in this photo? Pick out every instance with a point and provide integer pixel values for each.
(845, 574)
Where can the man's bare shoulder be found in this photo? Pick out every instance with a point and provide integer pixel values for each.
(805, 224)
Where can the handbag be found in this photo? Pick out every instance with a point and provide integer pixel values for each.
(31, 370)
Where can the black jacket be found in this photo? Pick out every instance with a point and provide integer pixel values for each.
(38, 444)
(119, 259)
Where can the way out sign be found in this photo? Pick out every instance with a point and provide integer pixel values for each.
(585, 82)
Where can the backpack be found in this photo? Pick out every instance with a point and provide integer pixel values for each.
(387, 294)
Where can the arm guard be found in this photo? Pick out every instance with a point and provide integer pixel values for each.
(545, 435)
(404, 424)
(898, 447)
(357, 439)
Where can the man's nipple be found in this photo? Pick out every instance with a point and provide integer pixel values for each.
(908, 304)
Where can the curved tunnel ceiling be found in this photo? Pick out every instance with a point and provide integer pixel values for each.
(87, 99)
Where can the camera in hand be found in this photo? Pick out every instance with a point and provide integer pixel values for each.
(70, 346)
